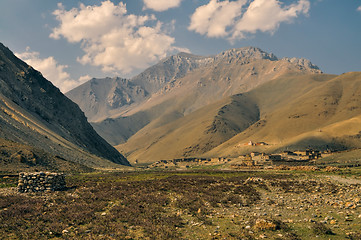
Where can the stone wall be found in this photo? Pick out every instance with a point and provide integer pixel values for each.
(41, 182)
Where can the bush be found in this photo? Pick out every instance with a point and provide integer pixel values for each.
(321, 229)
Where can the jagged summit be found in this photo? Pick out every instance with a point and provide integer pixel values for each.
(244, 68)
(247, 52)
(185, 55)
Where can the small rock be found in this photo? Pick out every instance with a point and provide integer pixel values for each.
(349, 205)
(64, 231)
(333, 222)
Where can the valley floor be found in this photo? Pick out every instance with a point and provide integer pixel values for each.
(201, 204)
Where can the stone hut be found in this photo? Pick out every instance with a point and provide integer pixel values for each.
(248, 161)
(41, 182)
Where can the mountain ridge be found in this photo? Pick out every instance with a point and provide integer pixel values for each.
(166, 74)
(35, 113)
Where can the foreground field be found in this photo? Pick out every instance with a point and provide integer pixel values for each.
(192, 205)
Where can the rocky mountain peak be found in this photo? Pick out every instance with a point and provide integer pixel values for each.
(247, 53)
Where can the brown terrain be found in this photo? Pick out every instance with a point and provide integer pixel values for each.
(36, 115)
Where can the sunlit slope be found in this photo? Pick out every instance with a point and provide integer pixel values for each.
(291, 112)
(231, 72)
(319, 112)
(192, 134)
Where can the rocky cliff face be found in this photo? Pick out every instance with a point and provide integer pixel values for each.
(104, 97)
(170, 69)
(35, 112)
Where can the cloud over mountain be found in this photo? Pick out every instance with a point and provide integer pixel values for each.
(52, 70)
(113, 39)
(235, 19)
(161, 5)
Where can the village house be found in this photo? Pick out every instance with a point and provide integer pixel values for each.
(248, 161)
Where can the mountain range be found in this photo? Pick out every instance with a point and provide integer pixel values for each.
(183, 106)
(194, 106)
(41, 128)
(236, 70)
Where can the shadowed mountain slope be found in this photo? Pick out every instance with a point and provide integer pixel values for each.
(107, 97)
(33, 112)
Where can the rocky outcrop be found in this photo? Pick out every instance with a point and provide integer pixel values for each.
(99, 97)
(303, 63)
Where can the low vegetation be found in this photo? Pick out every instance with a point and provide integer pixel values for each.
(188, 205)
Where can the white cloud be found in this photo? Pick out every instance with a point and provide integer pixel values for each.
(84, 78)
(235, 19)
(161, 5)
(51, 70)
(113, 39)
(267, 15)
(359, 9)
(214, 18)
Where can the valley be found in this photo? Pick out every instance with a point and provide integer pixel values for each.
(241, 145)
(184, 120)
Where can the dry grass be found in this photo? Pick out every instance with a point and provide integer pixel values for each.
(166, 205)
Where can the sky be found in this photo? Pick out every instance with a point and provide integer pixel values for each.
(72, 41)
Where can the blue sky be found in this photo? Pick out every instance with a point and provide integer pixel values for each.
(71, 41)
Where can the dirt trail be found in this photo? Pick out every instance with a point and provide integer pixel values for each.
(344, 180)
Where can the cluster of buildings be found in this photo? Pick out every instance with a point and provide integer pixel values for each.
(253, 159)
(261, 159)
(187, 162)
